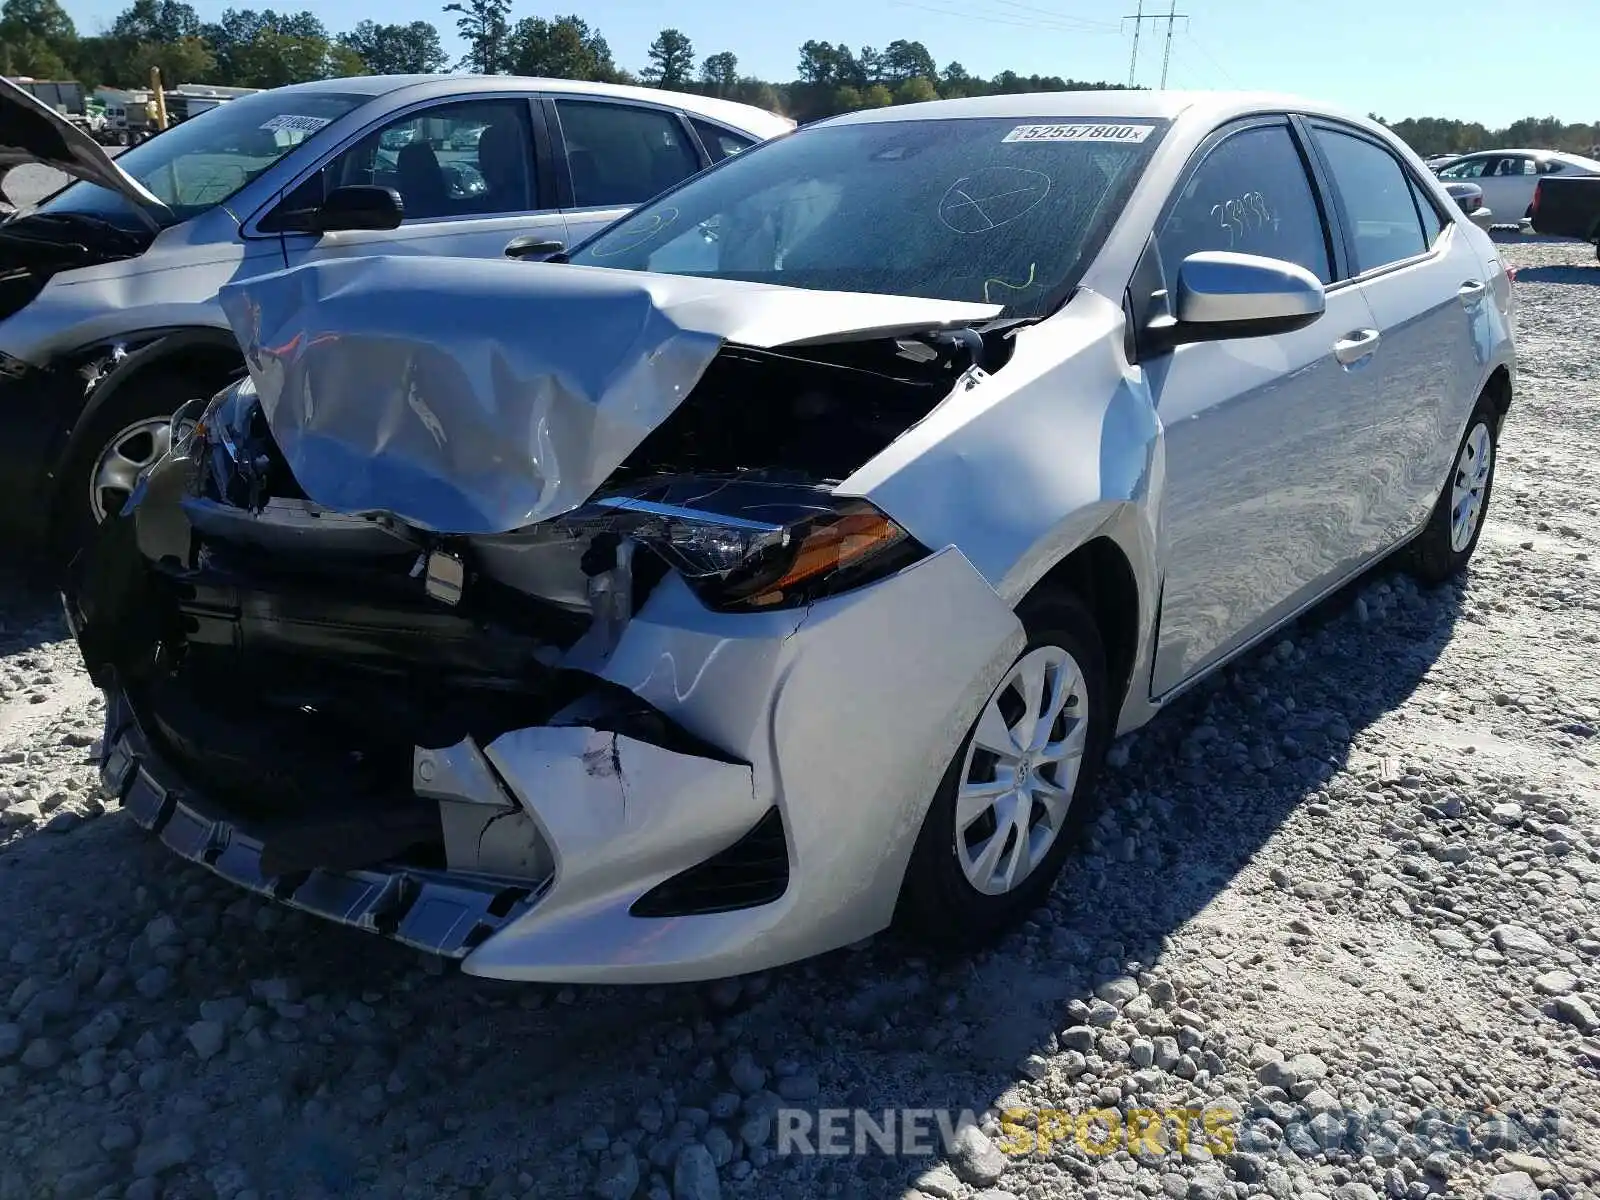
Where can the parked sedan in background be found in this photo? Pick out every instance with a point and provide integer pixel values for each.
(108, 309)
(1508, 177)
(787, 561)
(1469, 197)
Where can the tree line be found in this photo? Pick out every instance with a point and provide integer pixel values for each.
(266, 48)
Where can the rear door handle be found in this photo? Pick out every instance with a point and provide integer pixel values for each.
(1362, 344)
(1472, 291)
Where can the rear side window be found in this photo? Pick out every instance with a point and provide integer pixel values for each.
(621, 153)
(1379, 205)
(720, 143)
(1250, 194)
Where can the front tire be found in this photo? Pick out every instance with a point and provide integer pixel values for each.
(1441, 551)
(1019, 791)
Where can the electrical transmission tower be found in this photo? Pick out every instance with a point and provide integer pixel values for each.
(1172, 16)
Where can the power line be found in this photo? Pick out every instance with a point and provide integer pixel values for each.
(1209, 57)
(1063, 18)
(1016, 20)
(1139, 18)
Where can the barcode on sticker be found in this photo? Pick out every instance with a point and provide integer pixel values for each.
(294, 124)
(1079, 133)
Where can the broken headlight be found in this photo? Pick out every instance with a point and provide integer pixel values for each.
(747, 545)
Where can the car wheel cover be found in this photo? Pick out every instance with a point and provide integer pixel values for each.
(1021, 770)
(129, 453)
(1469, 486)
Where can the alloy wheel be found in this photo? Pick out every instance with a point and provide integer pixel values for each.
(1021, 770)
(129, 454)
(1469, 485)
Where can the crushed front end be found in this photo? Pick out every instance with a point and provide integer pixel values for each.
(681, 727)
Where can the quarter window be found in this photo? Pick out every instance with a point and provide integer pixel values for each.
(720, 143)
(1379, 207)
(457, 160)
(1251, 194)
(1432, 222)
(621, 153)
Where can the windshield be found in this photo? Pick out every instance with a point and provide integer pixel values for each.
(199, 163)
(1001, 211)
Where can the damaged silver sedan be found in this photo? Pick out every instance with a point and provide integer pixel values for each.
(784, 562)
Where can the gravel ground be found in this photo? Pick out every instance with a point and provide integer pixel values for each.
(1346, 901)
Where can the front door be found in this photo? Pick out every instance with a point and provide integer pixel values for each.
(465, 171)
(1268, 440)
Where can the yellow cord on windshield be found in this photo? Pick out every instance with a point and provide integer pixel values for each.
(1015, 287)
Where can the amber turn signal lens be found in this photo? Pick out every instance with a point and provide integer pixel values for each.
(847, 539)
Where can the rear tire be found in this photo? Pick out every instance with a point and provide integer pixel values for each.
(986, 857)
(1441, 551)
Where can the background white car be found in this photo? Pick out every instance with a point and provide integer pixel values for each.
(113, 280)
(1508, 177)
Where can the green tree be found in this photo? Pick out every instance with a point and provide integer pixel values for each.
(485, 25)
(268, 49)
(915, 91)
(720, 73)
(156, 21)
(877, 96)
(343, 62)
(412, 49)
(907, 60)
(36, 38)
(846, 99)
(562, 48)
(671, 59)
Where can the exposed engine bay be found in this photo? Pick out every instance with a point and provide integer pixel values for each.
(297, 663)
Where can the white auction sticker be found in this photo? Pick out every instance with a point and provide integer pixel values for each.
(1079, 133)
(294, 124)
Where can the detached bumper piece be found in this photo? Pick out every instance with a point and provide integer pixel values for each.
(444, 913)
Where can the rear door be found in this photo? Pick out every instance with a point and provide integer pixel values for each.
(613, 155)
(1425, 287)
(1269, 440)
(473, 173)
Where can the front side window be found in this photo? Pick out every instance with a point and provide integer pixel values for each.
(199, 163)
(472, 158)
(1004, 211)
(1379, 210)
(1468, 168)
(623, 153)
(1251, 195)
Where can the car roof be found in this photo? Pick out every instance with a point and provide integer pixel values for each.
(1106, 104)
(745, 117)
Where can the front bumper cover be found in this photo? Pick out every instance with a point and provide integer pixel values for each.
(842, 717)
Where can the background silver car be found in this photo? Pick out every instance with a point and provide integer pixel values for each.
(108, 307)
(789, 559)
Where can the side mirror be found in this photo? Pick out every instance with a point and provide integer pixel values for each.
(1223, 295)
(531, 245)
(359, 206)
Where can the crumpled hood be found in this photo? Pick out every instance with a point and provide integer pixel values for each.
(480, 396)
(32, 132)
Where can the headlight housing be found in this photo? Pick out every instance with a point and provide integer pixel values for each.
(752, 545)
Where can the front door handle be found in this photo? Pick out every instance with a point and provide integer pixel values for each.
(1357, 346)
(1472, 291)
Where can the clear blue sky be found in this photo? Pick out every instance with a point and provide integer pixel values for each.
(1445, 58)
